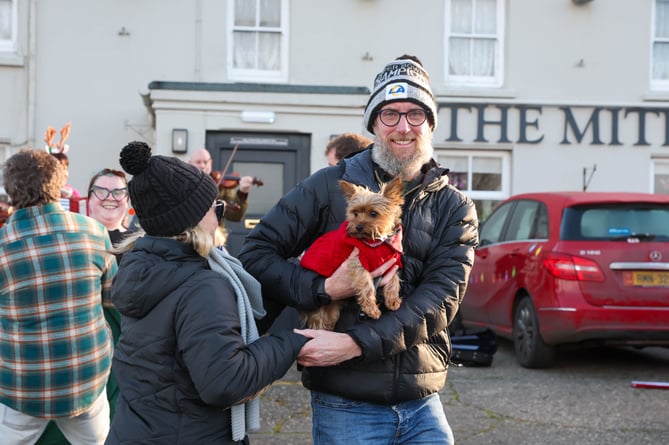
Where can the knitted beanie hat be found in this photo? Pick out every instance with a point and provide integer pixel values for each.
(403, 79)
(168, 195)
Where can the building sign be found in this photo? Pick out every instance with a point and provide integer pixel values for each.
(259, 141)
(555, 124)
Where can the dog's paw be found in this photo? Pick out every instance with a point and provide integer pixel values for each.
(393, 303)
(372, 311)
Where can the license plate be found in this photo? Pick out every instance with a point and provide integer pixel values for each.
(646, 279)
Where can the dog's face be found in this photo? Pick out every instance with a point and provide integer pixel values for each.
(373, 215)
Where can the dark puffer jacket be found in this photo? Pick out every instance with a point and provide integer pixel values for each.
(181, 361)
(405, 353)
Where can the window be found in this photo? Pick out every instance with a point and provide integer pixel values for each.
(660, 46)
(648, 222)
(474, 42)
(483, 176)
(258, 40)
(660, 176)
(491, 231)
(528, 221)
(8, 22)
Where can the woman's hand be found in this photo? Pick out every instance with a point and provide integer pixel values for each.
(326, 348)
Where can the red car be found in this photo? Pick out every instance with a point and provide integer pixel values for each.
(572, 267)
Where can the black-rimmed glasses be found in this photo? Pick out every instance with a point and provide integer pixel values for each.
(103, 193)
(415, 117)
(219, 208)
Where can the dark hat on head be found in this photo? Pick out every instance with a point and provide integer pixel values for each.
(168, 195)
(403, 79)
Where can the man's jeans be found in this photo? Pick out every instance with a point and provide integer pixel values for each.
(340, 421)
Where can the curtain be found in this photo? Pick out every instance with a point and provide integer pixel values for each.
(473, 40)
(258, 44)
(5, 19)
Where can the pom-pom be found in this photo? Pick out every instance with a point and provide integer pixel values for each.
(135, 157)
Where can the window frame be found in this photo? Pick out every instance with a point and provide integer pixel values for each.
(657, 166)
(495, 81)
(256, 75)
(655, 84)
(485, 200)
(504, 156)
(9, 46)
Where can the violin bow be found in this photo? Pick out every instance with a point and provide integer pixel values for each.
(227, 165)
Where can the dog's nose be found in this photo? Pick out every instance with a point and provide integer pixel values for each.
(359, 227)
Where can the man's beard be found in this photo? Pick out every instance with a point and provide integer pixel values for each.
(408, 167)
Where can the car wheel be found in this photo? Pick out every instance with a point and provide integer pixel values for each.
(531, 351)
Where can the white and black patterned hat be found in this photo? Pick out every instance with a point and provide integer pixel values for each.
(403, 79)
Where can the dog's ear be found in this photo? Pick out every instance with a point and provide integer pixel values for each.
(393, 190)
(348, 188)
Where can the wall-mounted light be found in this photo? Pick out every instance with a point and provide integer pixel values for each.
(179, 140)
(260, 117)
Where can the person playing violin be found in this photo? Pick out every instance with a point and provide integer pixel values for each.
(237, 200)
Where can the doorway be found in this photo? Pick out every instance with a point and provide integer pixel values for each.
(278, 161)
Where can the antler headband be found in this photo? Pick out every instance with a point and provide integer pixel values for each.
(61, 147)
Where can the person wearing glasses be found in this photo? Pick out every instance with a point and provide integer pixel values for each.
(107, 203)
(376, 381)
(190, 363)
(56, 273)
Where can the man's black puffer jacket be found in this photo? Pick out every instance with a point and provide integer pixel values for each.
(181, 360)
(405, 353)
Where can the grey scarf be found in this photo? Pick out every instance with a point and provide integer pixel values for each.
(249, 304)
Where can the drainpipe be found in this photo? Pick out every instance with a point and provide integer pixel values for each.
(198, 41)
(30, 60)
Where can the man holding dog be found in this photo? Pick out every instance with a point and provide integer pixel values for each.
(376, 380)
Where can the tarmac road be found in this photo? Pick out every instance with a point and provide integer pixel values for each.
(587, 398)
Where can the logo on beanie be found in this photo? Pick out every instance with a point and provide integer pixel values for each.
(396, 91)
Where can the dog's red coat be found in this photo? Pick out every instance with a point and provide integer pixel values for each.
(333, 248)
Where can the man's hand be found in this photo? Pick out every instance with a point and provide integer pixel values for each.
(326, 348)
(245, 183)
(339, 285)
(66, 192)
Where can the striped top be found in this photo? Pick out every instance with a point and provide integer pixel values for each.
(56, 271)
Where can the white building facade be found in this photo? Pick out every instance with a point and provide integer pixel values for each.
(533, 95)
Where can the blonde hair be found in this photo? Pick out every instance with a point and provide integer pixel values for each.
(196, 236)
(221, 236)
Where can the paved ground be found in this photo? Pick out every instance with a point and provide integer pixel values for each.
(586, 399)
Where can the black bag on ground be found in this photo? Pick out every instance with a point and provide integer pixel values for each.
(473, 346)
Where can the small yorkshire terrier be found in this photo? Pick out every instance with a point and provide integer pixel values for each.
(373, 225)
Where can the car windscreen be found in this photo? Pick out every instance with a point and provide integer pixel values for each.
(618, 221)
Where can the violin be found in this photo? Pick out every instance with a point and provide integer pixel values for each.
(5, 211)
(231, 180)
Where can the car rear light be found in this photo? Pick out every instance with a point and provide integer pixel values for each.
(569, 267)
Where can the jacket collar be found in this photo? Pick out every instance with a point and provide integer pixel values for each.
(362, 170)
